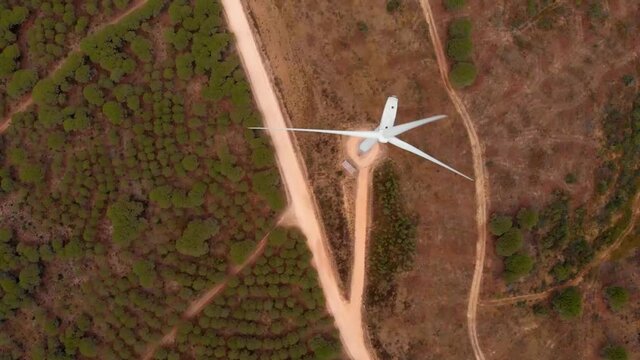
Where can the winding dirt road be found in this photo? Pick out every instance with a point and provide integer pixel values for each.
(347, 314)
(482, 189)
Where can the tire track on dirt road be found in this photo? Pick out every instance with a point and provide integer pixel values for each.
(482, 189)
(347, 315)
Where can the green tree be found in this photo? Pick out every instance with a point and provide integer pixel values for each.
(241, 250)
(145, 271)
(460, 48)
(617, 297)
(21, 82)
(460, 28)
(93, 94)
(527, 218)
(124, 216)
(568, 303)
(8, 60)
(193, 241)
(454, 4)
(324, 349)
(615, 352)
(509, 243)
(189, 163)
(393, 5)
(141, 47)
(162, 196)
(113, 111)
(29, 277)
(500, 224)
(516, 266)
(463, 74)
(87, 347)
(31, 173)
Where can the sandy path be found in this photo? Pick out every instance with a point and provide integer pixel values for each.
(75, 48)
(482, 189)
(348, 316)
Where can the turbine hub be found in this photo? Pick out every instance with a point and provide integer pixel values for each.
(382, 138)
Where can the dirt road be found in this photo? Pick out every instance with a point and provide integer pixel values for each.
(482, 189)
(348, 321)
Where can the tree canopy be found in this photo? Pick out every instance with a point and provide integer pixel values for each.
(193, 241)
(568, 303)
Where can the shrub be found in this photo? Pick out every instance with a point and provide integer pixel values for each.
(463, 74)
(509, 243)
(124, 218)
(500, 224)
(615, 352)
(516, 266)
(617, 297)
(113, 111)
(460, 28)
(568, 303)
(21, 82)
(460, 48)
(241, 250)
(527, 218)
(193, 239)
(393, 5)
(454, 4)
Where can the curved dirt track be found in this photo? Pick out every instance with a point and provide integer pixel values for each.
(482, 189)
(348, 315)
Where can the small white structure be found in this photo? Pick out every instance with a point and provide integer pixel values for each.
(349, 167)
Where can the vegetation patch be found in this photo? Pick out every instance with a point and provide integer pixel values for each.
(393, 240)
(460, 50)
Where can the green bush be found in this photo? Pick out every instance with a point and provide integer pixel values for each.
(568, 303)
(460, 49)
(517, 266)
(193, 241)
(500, 224)
(454, 4)
(460, 28)
(617, 297)
(527, 218)
(393, 5)
(241, 250)
(615, 352)
(463, 74)
(509, 243)
(21, 82)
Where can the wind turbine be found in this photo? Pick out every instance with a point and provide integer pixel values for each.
(386, 132)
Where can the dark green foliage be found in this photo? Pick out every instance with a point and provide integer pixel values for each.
(500, 224)
(517, 266)
(324, 349)
(241, 250)
(454, 4)
(393, 5)
(124, 217)
(463, 74)
(141, 47)
(460, 48)
(145, 270)
(113, 111)
(31, 173)
(193, 241)
(393, 238)
(617, 297)
(87, 347)
(568, 303)
(9, 60)
(615, 352)
(509, 243)
(460, 28)
(527, 218)
(21, 82)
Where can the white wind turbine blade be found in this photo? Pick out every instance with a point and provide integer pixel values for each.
(405, 146)
(399, 129)
(359, 134)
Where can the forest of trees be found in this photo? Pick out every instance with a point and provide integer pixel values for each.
(131, 186)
